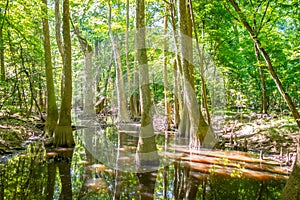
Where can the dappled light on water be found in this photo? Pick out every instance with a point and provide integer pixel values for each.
(84, 173)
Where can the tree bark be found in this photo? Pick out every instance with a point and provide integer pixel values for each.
(201, 61)
(2, 56)
(147, 150)
(2, 48)
(177, 70)
(52, 112)
(88, 99)
(165, 72)
(264, 99)
(123, 115)
(58, 29)
(291, 190)
(129, 74)
(59, 38)
(63, 133)
(198, 126)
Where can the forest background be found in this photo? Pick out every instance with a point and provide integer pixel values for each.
(219, 55)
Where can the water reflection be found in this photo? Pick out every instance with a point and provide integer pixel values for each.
(103, 166)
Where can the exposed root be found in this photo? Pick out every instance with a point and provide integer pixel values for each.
(63, 136)
(50, 128)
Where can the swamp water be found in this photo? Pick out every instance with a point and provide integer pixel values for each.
(102, 165)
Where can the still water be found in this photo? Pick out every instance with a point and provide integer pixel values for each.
(103, 165)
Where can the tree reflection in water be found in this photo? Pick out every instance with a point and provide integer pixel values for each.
(62, 160)
(33, 175)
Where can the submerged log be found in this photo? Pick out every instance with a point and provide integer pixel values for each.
(233, 172)
(230, 155)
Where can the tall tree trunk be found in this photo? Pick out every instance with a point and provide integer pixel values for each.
(198, 127)
(147, 151)
(201, 61)
(129, 74)
(2, 56)
(63, 133)
(177, 69)
(123, 115)
(58, 28)
(165, 72)
(134, 104)
(2, 63)
(264, 100)
(58, 37)
(177, 96)
(52, 112)
(88, 103)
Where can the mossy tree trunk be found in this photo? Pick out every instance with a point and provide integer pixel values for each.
(198, 127)
(292, 187)
(63, 133)
(52, 112)
(147, 150)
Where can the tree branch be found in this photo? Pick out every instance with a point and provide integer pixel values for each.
(263, 17)
(58, 28)
(242, 18)
(6, 8)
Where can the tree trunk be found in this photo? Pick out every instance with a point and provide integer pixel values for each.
(2, 64)
(88, 99)
(135, 106)
(147, 151)
(201, 61)
(177, 70)
(123, 115)
(52, 112)
(165, 72)
(63, 133)
(278, 83)
(58, 29)
(59, 38)
(198, 126)
(292, 188)
(2, 56)
(129, 76)
(264, 100)
(88, 105)
(177, 95)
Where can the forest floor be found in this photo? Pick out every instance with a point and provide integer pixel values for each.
(273, 136)
(17, 131)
